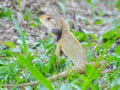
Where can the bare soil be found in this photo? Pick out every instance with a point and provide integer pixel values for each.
(77, 12)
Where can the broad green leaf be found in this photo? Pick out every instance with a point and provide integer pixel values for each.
(91, 72)
(62, 6)
(27, 14)
(35, 72)
(10, 44)
(118, 4)
(117, 49)
(27, 59)
(89, 1)
(98, 21)
(25, 47)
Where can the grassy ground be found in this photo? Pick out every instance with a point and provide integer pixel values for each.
(27, 49)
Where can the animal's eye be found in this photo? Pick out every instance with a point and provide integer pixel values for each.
(48, 17)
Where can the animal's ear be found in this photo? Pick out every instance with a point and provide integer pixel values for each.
(56, 31)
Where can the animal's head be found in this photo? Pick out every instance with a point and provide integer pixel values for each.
(47, 20)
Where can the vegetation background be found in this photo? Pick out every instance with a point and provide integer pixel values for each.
(27, 49)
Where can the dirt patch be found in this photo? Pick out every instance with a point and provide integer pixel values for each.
(80, 14)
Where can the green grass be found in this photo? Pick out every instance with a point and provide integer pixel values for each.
(26, 63)
(26, 57)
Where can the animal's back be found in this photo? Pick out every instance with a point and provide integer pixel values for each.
(72, 48)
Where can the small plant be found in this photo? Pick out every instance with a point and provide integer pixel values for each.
(118, 4)
(24, 63)
(62, 6)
